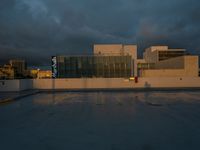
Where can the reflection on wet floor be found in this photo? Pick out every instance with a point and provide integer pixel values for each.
(100, 98)
(102, 120)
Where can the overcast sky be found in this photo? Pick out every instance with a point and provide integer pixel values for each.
(37, 29)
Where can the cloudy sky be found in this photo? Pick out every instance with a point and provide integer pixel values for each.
(37, 29)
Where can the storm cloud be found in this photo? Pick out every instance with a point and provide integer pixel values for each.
(37, 29)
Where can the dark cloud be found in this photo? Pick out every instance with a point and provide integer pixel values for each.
(37, 29)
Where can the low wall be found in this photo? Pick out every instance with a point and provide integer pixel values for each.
(15, 85)
(82, 83)
(117, 83)
(169, 82)
(26, 84)
(99, 83)
(9, 85)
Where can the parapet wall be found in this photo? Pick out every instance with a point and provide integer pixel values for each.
(15, 85)
(99, 83)
(116, 83)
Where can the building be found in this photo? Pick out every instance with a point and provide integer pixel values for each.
(118, 50)
(44, 74)
(93, 66)
(183, 66)
(19, 66)
(120, 61)
(143, 65)
(154, 54)
(7, 72)
(33, 73)
(160, 61)
(107, 61)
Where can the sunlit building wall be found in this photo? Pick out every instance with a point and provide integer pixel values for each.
(155, 54)
(118, 50)
(183, 66)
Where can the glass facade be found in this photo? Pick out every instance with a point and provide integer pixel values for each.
(93, 66)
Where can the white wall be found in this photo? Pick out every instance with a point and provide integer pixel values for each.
(9, 85)
(26, 84)
(15, 85)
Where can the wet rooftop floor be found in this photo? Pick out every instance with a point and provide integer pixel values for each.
(152, 120)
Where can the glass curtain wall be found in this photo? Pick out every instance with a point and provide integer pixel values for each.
(93, 66)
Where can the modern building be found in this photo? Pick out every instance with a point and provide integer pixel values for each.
(183, 66)
(160, 61)
(154, 54)
(107, 61)
(143, 65)
(118, 50)
(120, 61)
(19, 66)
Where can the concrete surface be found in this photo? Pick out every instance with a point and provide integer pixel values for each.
(102, 121)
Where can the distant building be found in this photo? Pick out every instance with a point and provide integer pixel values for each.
(7, 72)
(44, 74)
(33, 73)
(19, 66)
